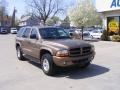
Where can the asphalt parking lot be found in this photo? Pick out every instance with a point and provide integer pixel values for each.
(103, 74)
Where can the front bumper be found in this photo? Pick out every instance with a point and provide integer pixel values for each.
(96, 36)
(3, 32)
(69, 61)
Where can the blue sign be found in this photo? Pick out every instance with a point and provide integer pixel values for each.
(115, 3)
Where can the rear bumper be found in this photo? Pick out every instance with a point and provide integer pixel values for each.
(69, 61)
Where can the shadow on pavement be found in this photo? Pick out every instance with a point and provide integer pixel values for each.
(35, 64)
(92, 40)
(77, 73)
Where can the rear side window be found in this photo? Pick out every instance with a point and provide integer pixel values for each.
(34, 34)
(20, 32)
(26, 33)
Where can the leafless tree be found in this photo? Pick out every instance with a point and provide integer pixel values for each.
(43, 9)
(3, 10)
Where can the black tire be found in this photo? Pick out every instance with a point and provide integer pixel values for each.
(19, 53)
(47, 59)
(85, 65)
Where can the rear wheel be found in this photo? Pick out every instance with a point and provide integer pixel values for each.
(19, 53)
(48, 65)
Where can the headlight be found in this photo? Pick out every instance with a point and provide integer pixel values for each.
(62, 53)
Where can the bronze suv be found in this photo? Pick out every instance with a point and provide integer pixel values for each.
(52, 47)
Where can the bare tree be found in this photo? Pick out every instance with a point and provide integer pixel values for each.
(3, 10)
(43, 9)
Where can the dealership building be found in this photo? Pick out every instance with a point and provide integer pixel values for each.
(110, 10)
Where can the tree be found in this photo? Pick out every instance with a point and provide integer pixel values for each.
(84, 14)
(52, 21)
(66, 23)
(3, 11)
(67, 19)
(104, 36)
(44, 9)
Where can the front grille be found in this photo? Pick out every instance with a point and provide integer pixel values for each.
(80, 51)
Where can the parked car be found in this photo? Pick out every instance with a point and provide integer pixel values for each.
(87, 36)
(71, 32)
(96, 34)
(3, 31)
(67, 30)
(74, 31)
(52, 47)
(13, 31)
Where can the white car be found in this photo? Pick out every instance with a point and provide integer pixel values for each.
(13, 31)
(96, 34)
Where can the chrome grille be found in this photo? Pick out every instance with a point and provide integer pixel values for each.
(80, 51)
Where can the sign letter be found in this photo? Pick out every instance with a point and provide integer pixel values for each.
(113, 3)
(118, 3)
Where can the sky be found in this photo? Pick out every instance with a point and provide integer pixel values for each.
(20, 5)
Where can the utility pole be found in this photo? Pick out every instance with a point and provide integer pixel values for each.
(82, 32)
(13, 18)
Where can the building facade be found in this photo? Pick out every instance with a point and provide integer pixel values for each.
(5, 21)
(110, 10)
(28, 21)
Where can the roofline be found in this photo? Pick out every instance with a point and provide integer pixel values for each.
(108, 11)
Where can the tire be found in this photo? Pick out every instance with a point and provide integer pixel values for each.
(19, 53)
(85, 65)
(48, 65)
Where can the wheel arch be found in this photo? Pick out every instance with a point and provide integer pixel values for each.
(17, 44)
(43, 51)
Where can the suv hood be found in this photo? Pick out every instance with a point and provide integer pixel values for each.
(66, 44)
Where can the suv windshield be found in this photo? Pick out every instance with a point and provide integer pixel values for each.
(54, 33)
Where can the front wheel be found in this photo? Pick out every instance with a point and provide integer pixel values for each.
(19, 54)
(48, 65)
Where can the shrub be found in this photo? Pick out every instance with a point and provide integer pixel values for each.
(104, 36)
(116, 38)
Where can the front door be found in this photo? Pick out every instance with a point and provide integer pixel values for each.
(34, 44)
(25, 42)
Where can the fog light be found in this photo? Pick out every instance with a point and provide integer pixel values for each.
(65, 63)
